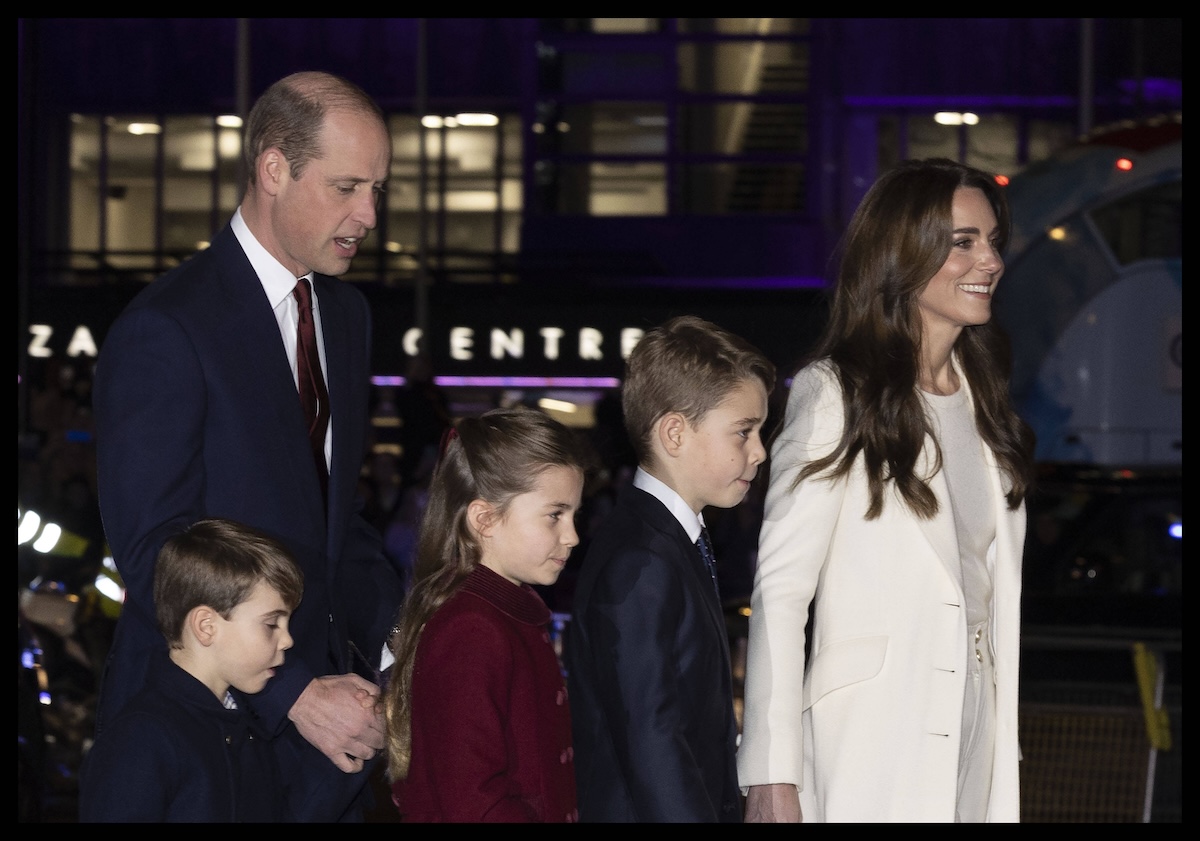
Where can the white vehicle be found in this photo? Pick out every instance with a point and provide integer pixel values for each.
(1092, 298)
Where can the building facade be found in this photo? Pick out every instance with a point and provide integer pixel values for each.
(556, 182)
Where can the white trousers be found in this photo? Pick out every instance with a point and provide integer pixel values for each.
(978, 730)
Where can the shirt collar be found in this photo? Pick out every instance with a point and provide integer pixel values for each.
(691, 521)
(276, 280)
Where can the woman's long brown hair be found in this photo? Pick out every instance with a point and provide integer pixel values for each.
(896, 242)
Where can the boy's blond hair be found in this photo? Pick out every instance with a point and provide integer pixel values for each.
(687, 365)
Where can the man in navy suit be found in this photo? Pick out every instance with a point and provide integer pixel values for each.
(198, 415)
(647, 652)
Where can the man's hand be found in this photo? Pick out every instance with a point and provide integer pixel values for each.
(776, 803)
(341, 717)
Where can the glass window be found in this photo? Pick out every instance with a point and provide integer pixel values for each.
(602, 128)
(1045, 137)
(744, 187)
(992, 143)
(231, 177)
(744, 67)
(131, 191)
(120, 197)
(745, 129)
(192, 147)
(613, 26)
(929, 139)
(744, 26)
(658, 117)
(85, 186)
(626, 189)
(473, 194)
(1144, 226)
(616, 73)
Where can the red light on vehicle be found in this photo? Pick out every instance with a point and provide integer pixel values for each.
(1002, 180)
(1124, 164)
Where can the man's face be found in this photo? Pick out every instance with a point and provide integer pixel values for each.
(319, 220)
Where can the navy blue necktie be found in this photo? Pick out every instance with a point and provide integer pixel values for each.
(710, 560)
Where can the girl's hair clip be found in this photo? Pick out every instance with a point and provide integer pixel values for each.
(449, 435)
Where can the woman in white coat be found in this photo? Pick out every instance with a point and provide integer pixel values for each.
(895, 513)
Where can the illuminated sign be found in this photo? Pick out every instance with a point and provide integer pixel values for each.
(81, 342)
(461, 344)
(556, 333)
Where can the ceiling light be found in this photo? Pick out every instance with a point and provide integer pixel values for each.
(557, 405)
(470, 119)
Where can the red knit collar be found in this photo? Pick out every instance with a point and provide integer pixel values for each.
(521, 602)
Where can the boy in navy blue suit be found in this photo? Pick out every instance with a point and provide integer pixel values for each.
(647, 651)
(186, 748)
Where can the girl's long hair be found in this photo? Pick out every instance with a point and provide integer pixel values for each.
(494, 457)
(896, 242)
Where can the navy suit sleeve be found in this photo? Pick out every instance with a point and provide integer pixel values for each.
(635, 617)
(370, 588)
(149, 410)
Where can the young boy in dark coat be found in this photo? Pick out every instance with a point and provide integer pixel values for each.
(647, 650)
(185, 749)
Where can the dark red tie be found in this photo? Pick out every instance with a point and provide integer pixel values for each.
(313, 396)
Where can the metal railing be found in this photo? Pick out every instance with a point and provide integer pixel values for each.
(1101, 724)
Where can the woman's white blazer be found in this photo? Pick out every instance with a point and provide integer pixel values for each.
(868, 727)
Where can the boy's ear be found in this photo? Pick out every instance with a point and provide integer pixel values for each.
(481, 515)
(671, 429)
(202, 623)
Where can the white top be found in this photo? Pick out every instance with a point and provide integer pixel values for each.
(970, 495)
(691, 521)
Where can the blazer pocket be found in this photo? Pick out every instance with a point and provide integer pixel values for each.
(843, 663)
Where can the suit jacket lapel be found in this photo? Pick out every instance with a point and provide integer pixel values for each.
(940, 531)
(336, 324)
(694, 568)
(253, 337)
